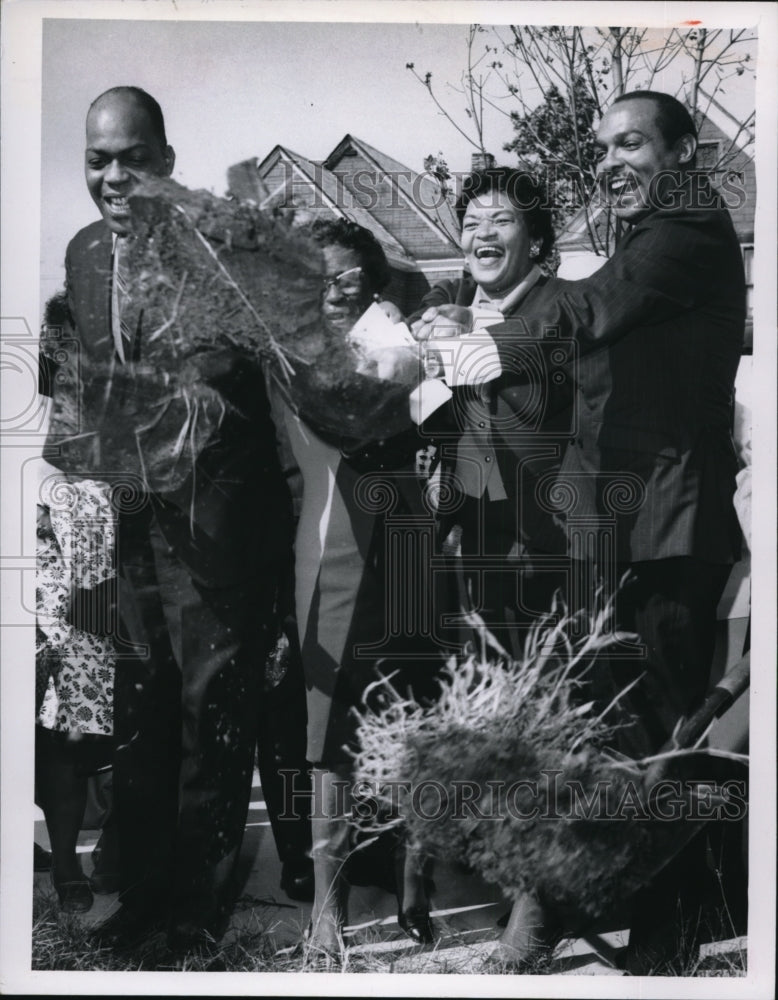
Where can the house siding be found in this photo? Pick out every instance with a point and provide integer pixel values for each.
(419, 251)
(374, 191)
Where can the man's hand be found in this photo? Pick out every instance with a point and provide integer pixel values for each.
(441, 322)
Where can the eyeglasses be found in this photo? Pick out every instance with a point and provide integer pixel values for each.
(348, 282)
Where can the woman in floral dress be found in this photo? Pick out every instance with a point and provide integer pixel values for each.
(75, 656)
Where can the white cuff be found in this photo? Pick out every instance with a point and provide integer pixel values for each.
(427, 397)
(468, 360)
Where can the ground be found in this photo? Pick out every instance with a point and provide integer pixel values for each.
(267, 926)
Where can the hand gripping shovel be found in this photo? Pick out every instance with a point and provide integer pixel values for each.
(700, 802)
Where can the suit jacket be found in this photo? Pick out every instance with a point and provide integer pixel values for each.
(529, 415)
(659, 332)
(215, 480)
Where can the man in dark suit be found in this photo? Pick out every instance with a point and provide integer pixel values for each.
(201, 547)
(660, 330)
(650, 468)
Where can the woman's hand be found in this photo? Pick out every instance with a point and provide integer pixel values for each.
(441, 322)
(391, 310)
(44, 528)
(392, 364)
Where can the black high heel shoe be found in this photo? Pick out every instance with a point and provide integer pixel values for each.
(417, 924)
(297, 880)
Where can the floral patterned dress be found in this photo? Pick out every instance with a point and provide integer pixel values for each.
(75, 549)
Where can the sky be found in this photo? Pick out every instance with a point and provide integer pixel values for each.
(233, 90)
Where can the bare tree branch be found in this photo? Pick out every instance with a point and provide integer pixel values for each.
(553, 83)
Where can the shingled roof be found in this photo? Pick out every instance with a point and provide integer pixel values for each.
(410, 214)
(413, 197)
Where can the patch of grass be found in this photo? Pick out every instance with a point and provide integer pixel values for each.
(61, 942)
(716, 926)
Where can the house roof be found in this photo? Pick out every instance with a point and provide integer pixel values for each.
(332, 197)
(411, 214)
(740, 136)
(419, 193)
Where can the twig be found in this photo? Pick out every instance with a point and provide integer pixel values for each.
(168, 323)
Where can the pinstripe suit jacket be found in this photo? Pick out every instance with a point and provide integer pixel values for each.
(659, 332)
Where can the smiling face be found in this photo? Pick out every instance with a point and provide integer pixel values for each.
(341, 306)
(122, 148)
(495, 241)
(636, 164)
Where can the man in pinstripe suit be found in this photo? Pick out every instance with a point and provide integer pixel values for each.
(649, 472)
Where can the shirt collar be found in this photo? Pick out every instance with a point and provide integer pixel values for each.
(514, 296)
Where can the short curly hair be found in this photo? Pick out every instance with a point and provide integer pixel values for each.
(525, 193)
(352, 236)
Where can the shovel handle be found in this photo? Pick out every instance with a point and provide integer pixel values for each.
(728, 689)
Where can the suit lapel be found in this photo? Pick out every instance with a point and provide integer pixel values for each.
(101, 265)
(93, 283)
(92, 292)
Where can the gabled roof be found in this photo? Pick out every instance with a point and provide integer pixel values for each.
(332, 196)
(411, 214)
(731, 129)
(420, 194)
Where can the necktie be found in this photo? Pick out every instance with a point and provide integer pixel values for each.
(122, 334)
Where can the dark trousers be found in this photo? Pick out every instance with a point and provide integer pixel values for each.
(507, 583)
(186, 712)
(283, 770)
(669, 607)
(665, 607)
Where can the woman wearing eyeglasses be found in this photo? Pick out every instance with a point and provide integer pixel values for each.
(342, 577)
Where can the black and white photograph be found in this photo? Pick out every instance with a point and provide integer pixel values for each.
(385, 388)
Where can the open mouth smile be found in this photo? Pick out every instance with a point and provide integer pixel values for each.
(118, 205)
(488, 254)
(621, 186)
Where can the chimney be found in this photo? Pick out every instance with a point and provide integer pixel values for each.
(481, 161)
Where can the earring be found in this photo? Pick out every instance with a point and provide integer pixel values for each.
(534, 249)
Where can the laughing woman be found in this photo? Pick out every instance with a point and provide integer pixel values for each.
(512, 425)
(512, 428)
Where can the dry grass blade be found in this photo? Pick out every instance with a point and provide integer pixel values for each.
(509, 772)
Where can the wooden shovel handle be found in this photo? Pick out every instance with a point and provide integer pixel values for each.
(728, 689)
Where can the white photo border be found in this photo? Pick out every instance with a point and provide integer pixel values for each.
(21, 227)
